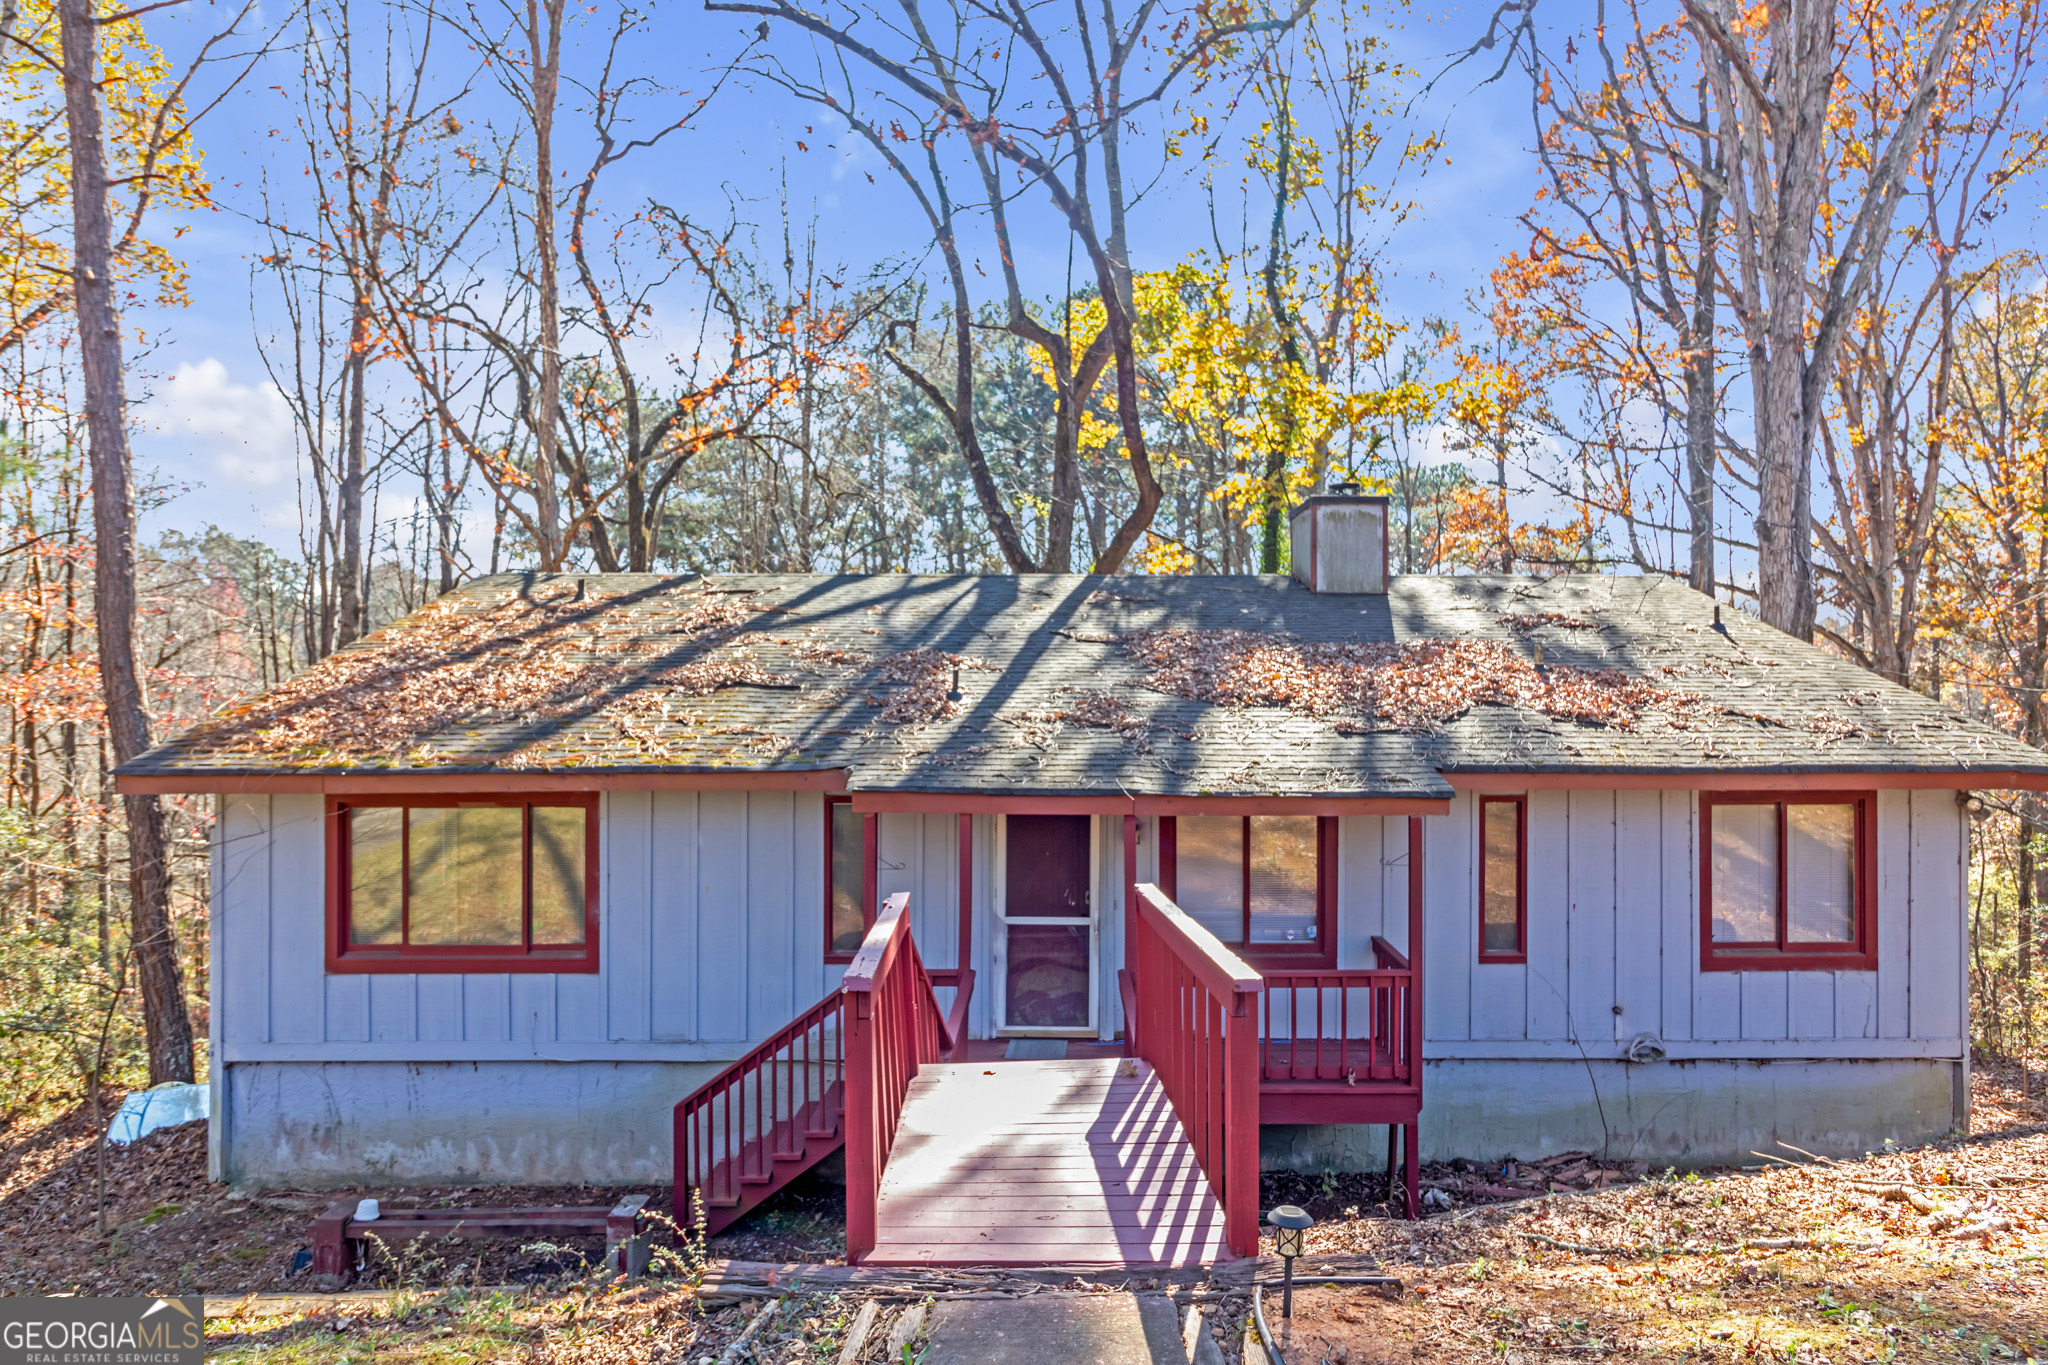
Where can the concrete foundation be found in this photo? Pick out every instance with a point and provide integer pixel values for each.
(1692, 1113)
(343, 1124)
(338, 1124)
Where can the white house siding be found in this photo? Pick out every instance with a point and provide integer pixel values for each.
(1528, 1059)
(711, 932)
(1614, 942)
(712, 937)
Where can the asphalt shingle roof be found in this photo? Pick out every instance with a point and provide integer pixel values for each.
(583, 672)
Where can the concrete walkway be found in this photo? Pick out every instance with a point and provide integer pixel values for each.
(1057, 1329)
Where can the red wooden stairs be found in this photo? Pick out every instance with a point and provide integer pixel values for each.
(781, 1109)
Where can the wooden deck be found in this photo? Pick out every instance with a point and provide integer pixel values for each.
(1008, 1163)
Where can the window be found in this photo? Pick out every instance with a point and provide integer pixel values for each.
(1503, 879)
(849, 884)
(1786, 883)
(1258, 881)
(497, 884)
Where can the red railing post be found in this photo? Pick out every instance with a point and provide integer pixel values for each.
(894, 1026)
(863, 1174)
(1199, 1028)
(1241, 1127)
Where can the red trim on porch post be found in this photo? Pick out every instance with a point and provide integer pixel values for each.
(966, 953)
(863, 1178)
(1241, 1120)
(1414, 1134)
(1130, 922)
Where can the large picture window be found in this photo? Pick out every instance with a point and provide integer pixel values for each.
(501, 884)
(1258, 882)
(1787, 883)
(849, 878)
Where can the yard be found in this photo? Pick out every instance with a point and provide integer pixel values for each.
(1936, 1253)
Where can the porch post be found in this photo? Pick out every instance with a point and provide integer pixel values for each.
(1412, 1147)
(966, 956)
(870, 857)
(1130, 933)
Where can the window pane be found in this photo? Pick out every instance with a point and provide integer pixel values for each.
(466, 875)
(559, 844)
(1745, 874)
(1046, 976)
(374, 886)
(1501, 913)
(848, 877)
(1820, 874)
(1208, 872)
(1283, 878)
(1045, 861)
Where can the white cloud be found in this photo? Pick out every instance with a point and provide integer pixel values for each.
(234, 437)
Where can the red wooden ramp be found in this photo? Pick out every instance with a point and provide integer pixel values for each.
(1044, 1162)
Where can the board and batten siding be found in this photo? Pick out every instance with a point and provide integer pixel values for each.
(711, 923)
(712, 927)
(1614, 952)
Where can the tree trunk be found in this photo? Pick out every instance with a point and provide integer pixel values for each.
(1702, 400)
(168, 1028)
(546, 52)
(348, 569)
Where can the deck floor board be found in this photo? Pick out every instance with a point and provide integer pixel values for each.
(1075, 1161)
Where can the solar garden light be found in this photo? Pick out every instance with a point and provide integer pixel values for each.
(1289, 1223)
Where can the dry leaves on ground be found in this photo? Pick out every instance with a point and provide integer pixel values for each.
(1808, 1263)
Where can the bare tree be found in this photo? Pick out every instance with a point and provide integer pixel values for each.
(1773, 94)
(168, 1025)
(1100, 74)
(1885, 439)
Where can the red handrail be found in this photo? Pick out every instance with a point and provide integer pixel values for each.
(893, 1027)
(737, 1125)
(1198, 1028)
(1345, 1026)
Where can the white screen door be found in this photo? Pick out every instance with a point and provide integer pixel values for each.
(1045, 925)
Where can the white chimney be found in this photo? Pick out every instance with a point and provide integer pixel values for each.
(1339, 542)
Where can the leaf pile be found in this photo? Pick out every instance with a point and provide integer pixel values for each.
(1528, 621)
(518, 659)
(925, 677)
(1418, 685)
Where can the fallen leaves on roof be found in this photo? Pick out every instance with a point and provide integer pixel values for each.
(1528, 621)
(1414, 686)
(517, 659)
(926, 678)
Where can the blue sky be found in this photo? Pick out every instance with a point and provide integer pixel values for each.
(214, 425)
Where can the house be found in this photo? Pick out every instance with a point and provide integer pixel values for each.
(526, 886)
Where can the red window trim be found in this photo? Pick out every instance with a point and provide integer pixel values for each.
(870, 860)
(1521, 952)
(343, 956)
(1323, 952)
(1786, 955)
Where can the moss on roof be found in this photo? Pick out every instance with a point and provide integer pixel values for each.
(1244, 685)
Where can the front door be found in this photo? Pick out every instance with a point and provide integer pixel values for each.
(1046, 925)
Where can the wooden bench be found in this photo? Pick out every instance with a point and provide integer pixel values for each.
(339, 1236)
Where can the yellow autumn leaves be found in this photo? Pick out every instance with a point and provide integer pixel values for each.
(1214, 369)
(35, 180)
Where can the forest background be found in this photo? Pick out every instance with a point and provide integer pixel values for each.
(309, 314)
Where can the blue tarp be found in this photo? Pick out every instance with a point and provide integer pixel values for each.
(165, 1106)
